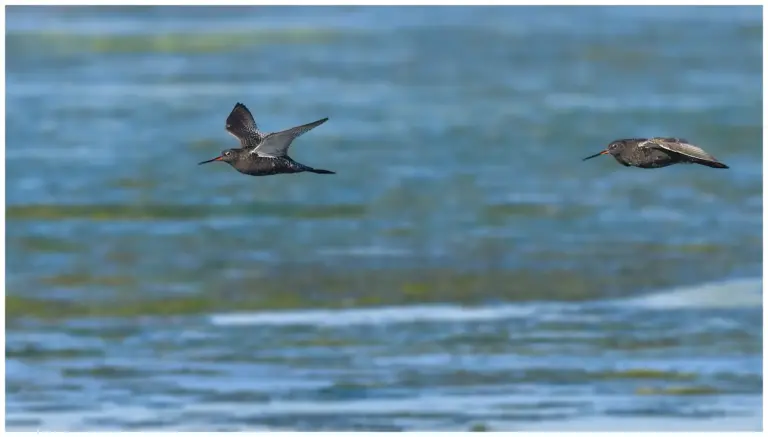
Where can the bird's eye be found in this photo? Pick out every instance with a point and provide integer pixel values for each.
(227, 153)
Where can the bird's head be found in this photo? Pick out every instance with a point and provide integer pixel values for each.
(613, 149)
(228, 156)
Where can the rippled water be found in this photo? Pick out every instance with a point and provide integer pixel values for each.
(463, 270)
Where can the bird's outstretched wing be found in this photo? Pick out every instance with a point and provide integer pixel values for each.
(681, 146)
(242, 126)
(276, 144)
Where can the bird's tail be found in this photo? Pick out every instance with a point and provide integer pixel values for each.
(320, 171)
(713, 164)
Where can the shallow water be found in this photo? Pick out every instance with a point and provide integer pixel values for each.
(463, 270)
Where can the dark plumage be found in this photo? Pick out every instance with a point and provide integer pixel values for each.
(657, 152)
(263, 154)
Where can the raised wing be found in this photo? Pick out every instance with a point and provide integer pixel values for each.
(242, 126)
(681, 146)
(276, 144)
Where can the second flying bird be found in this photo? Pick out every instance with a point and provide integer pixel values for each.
(263, 154)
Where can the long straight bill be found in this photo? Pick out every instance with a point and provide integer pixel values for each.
(604, 152)
(218, 158)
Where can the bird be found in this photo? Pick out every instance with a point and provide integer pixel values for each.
(263, 154)
(657, 152)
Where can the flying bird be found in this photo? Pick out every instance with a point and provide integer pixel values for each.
(657, 152)
(263, 154)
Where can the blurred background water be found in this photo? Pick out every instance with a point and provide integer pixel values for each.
(463, 270)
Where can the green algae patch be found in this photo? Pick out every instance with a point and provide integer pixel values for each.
(41, 308)
(50, 245)
(101, 212)
(109, 372)
(638, 344)
(37, 353)
(197, 304)
(301, 287)
(107, 212)
(129, 183)
(80, 279)
(678, 391)
(479, 427)
(240, 396)
(648, 374)
(415, 289)
(345, 390)
(177, 42)
(497, 211)
(122, 257)
(17, 306)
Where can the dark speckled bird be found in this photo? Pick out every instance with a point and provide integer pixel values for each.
(658, 152)
(263, 154)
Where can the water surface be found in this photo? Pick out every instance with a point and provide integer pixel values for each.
(463, 270)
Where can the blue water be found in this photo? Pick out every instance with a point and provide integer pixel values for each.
(464, 269)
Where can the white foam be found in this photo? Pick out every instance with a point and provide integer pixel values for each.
(745, 293)
(742, 293)
(377, 316)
